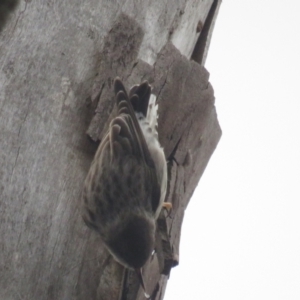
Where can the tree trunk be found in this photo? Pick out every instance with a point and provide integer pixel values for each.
(58, 61)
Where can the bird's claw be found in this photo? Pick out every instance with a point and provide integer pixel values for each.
(168, 207)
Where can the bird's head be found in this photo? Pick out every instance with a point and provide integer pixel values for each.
(132, 241)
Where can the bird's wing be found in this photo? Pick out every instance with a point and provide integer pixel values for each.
(127, 139)
(141, 102)
(127, 122)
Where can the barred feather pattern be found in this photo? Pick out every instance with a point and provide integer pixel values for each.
(126, 184)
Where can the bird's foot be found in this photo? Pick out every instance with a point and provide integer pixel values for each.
(167, 205)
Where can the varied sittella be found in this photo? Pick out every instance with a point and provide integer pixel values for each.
(126, 185)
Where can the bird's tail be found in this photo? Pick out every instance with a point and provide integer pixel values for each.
(144, 105)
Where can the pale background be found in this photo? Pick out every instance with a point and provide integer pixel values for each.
(241, 233)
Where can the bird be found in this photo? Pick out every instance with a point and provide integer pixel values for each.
(125, 187)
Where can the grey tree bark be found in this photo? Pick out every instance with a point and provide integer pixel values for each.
(58, 61)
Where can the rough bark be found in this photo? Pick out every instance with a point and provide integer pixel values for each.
(58, 60)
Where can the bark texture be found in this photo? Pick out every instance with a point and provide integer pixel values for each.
(58, 60)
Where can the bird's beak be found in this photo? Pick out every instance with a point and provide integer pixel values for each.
(140, 276)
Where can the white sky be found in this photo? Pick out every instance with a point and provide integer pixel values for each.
(241, 232)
